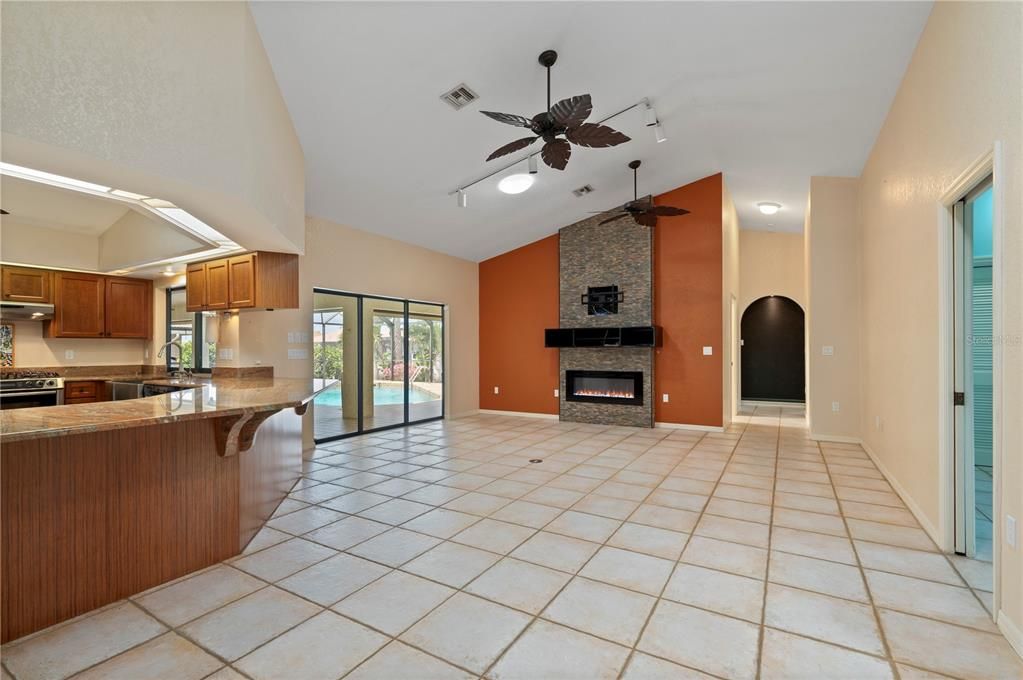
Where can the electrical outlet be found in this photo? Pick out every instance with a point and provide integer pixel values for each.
(69, 354)
(708, 351)
(878, 424)
(145, 353)
(298, 354)
(1010, 531)
(828, 350)
(835, 406)
(226, 353)
(664, 398)
(497, 390)
(557, 393)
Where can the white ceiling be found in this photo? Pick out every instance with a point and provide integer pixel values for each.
(768, 93)
(62, 209)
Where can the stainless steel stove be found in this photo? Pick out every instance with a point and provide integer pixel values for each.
(29, 389)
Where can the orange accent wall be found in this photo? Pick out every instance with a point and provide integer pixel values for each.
(687, 304)
(518, 300)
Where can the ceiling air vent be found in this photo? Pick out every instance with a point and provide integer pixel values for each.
(583, 190)
(459, 96)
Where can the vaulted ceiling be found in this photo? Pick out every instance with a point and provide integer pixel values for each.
(767, 93)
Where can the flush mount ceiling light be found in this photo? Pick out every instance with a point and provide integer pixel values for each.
(515, 184)
(560, 124)
(769, 208)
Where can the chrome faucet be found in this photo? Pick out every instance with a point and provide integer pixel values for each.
(175, 341)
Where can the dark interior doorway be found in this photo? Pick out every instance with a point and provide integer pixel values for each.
(773, 350)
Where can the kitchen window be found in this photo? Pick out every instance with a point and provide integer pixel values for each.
(195, 353)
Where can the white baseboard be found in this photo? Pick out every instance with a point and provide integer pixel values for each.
(931, 530)
(520, 414)
(684, 426)
(837, 438)
(1012, 632)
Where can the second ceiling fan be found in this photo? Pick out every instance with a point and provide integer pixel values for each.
(560, 124)
(644, 211)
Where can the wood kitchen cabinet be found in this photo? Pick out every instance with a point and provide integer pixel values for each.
(96, 306)
(260, 280)
(25, 284)
(85, 391)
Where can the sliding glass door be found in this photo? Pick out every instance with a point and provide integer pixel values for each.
(385, 359)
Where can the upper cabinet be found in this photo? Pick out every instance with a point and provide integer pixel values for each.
(24, 284)
(129, 308)
(260, 280)
(96, 306)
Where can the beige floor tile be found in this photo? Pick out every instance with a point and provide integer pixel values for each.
(185, 600)
(395, 511)
(558, 552)
(527, 514)
(452, 564)
(467, 480)
(732, 557)
(913, 673)
(226, 673)
(751, 512)
(697, 486)
(678, 499)
(930, 566)
(584, 526)
(979, 575)
(305, 520)
(734, 530)
(930, 599)
(846, 493)
(169, 656)
(441, 522)
(332, 579)
(397, 660)
(574, 483)
(240, 627)
(725, 593)
(797, 501)
(809, 544)
(507, 488)
(434, 494)
(906, 537)
(518, 584)
(665, 518)
(628, 569)
(495, 536)
(823, 617)
(879, 513)
(476, 503)
(649, 540)
(323, 648)
(790, 657)
(605, 506)
(558, 498)
(743, 493)
(356, 501)
(948, 649)
(703, 640)
(603, 610)
(395, 547)
(67, 648)
(289, 505)
(453, 631)
(394, 602)
(809, 521)
(547, 650)
(646, 667)
(283, 559)
(265, 538)
(830, 578)
(347, 532)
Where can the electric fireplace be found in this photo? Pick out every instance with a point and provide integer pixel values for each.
(604, 387)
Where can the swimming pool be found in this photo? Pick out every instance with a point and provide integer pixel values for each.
(382, 394)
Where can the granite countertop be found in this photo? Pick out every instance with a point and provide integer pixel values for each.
(205, 398)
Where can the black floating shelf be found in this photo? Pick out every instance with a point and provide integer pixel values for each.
(630, 336)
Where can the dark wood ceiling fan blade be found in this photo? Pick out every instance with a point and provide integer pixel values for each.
(645, 218)
(573, 111)
(509, 119)
(667, 211)
(615, 217)
(595, 136)
(556, 153)
(512, 147)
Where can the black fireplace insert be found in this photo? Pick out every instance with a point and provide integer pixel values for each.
(604, 387)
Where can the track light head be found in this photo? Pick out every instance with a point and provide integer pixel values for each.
(659, 133)
(532, 165)
(649, 115)
(462, 199)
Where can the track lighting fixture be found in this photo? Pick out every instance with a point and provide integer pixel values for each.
(462, 199)
(659, 133)
(649, 115)
(532, 165)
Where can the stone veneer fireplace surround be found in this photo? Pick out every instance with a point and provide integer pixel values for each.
(593, 255)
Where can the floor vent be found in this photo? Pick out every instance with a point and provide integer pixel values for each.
(459, 96)
(583, 190)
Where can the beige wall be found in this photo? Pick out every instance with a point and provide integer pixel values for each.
(730, 288)
(31, 244)
(833, 297)
(770, 263)
(175, 100)
(961, 93)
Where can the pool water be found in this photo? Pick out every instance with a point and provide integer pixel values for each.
(382, 394)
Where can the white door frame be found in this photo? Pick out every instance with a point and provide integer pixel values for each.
(991, 163)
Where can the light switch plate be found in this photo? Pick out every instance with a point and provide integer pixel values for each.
(664, 398)
(835, 406)
(557, 393)
(708, 351)
(497, 390)
(1010, 531)
(226, 353)
(298, 354)
(828, 350)
(69, 354)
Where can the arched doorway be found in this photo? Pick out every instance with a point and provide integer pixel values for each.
(773, 350)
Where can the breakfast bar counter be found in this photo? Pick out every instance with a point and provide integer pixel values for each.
(105, 500)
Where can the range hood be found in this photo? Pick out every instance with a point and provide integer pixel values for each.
(25, 311)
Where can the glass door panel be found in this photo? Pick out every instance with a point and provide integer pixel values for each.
(426, 361)
(335, 362)
(384, 366)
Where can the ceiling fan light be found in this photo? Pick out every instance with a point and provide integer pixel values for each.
(532, 165)
(649, 115)
(768, 208)
(515, 184)
(659, 133)
(462, 199)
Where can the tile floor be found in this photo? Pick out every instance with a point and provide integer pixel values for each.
(439, 551)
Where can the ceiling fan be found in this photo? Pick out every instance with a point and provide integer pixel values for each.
(644, 211)
(567, 117)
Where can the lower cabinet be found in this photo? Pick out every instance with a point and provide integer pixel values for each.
(85, 391)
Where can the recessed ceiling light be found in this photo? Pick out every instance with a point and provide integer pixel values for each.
(515, 184)
(769, 208)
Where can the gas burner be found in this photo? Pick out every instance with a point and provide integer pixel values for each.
(16, 375)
